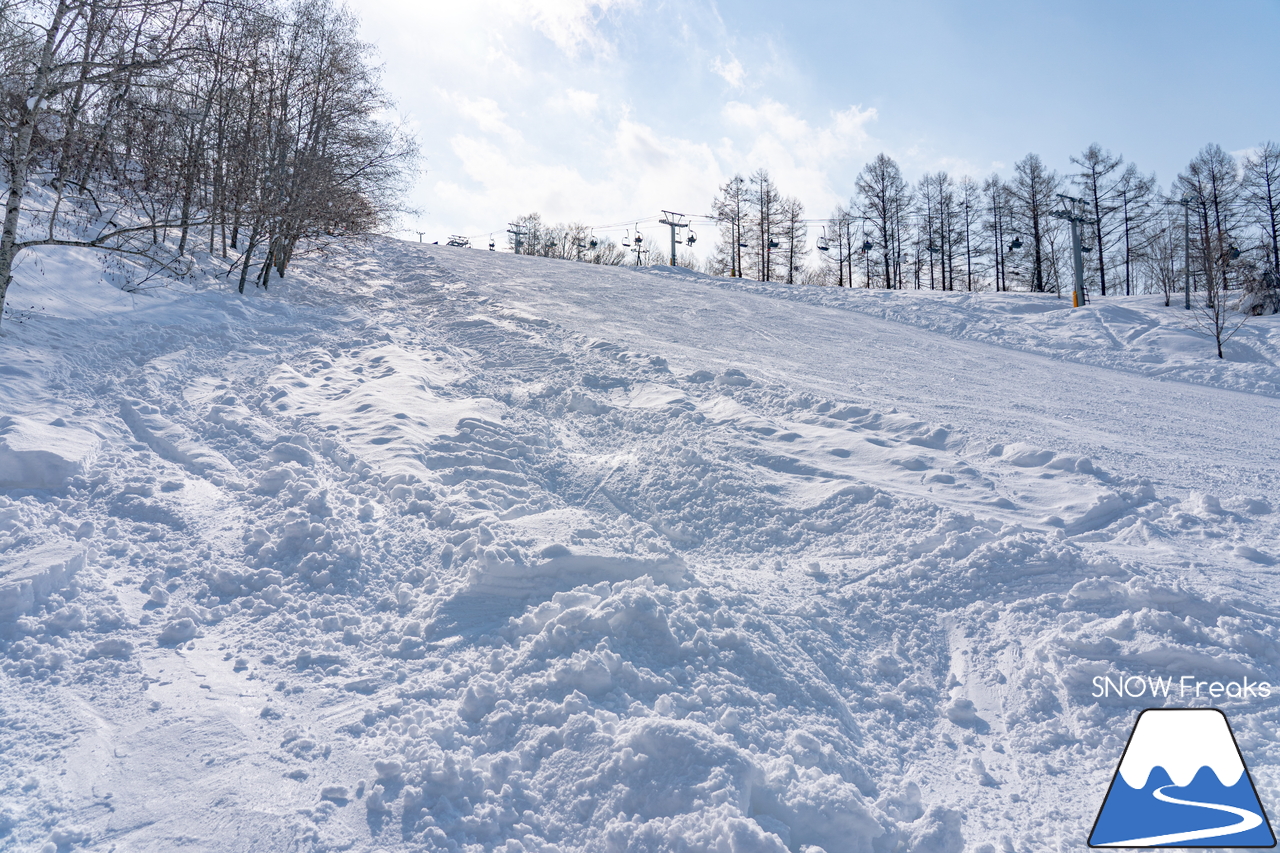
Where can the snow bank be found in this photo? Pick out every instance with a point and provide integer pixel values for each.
(36, 455)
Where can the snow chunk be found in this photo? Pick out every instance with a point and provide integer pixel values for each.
(42, 456)
(178, 631)
(33, 576)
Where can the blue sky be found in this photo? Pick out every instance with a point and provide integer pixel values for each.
(614, 109)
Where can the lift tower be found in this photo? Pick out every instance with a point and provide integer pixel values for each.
(676, 221)
(1072, 213)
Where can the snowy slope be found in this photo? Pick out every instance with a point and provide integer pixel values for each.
(443, 549)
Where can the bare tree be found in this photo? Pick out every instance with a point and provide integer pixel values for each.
(730, 208)
(841, 230)
(969, 201)
(1212, 181)
(765, 218)
(999, 228)
(795, 238)
(1135, 193)
(1216, 317)
(67, 64)
(1097, 183)
(1162, 258)
(126, 120)
(1262, 194)
(884, 198)
(927, 204)
(1034, 188)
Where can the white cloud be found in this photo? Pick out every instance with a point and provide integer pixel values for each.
(646, 170)
(570, 24)
(575, 101)
(732, 71)
(485, 114)
(801, 157)
(1243, 153)
(530, 108)
(844, 136)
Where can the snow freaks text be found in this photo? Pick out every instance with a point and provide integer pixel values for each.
(1180, 687)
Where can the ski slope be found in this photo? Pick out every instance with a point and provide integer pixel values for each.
(433, 548)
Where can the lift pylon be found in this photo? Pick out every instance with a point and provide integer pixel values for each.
(676, 221)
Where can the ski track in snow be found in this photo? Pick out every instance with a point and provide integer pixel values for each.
(443, 549)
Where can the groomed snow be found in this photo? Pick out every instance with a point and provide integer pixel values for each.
(442, 549)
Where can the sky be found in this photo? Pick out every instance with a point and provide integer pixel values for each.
(609, 111)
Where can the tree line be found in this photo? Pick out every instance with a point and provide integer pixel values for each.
(572, 241)
(161, 128)
(1218, 224)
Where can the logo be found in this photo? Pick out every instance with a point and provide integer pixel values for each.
(1182, 783)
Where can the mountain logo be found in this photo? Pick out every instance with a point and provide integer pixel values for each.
(1182, 783)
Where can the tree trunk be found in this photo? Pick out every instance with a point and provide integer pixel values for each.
(248, 257)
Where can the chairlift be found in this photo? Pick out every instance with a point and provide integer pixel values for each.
(1233, 253)
(742, 244)
(1086, 248)
(593, 242)
(692, 238)
(492, 245)
(1016, 244)
(823, 245)
(639, 238)
(866, 245)
(931, 248)
(773, 244)
(626, 240)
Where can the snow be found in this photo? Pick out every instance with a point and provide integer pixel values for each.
(435, 548)
(42, 456)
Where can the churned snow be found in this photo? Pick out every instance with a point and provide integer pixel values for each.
(442, 549)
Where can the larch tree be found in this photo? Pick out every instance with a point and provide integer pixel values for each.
(1262, 195)
(1034, 189)
(840, 236)
(998, 227)
(795, 238)
(1134, 193)
(1097, 182)
(765, 219)
(730, 209)
(927, 204)
(969, 209)
(884, 198)
(1212, 182)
